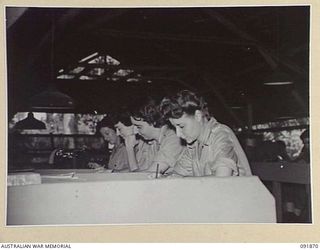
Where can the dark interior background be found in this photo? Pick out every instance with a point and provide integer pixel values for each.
(222, 53)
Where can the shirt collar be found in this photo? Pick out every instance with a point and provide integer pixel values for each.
(205, 133)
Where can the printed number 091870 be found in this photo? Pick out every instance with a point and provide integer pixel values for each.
(309, 245)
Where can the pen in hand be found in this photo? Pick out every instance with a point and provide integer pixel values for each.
(157, 170)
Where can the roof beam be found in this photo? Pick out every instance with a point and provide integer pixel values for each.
(115, 68)
(61, 25)
(102, 20)
(214, 14)
(13, 14)
(134, 67)
(46, 39)
(250, 69)
(169, 37)
(272, 59)
(299, 100)
(207, 79)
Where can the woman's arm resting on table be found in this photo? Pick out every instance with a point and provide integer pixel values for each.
(223, 172)
(130, 142)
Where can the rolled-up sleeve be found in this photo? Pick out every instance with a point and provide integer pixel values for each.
(222, 152)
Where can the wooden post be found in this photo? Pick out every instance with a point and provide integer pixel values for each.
(277, 192)
(309, 205)
(250, 116)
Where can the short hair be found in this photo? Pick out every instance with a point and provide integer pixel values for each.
(106, 121)
(112, 119)
(148, 110)
(123, 116)
(184, 102)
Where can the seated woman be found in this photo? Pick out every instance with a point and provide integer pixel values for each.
(141, 157)
(212, 148)
(140, 152)
(159, 147)
(118, 160)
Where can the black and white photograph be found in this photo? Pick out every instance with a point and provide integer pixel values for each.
(158, 115)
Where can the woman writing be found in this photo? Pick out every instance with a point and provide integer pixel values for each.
(212, 148)
(118, 159)
(159, 147)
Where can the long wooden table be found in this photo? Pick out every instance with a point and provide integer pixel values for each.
(125, 198)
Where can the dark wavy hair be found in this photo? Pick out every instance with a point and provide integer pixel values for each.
(123, 116)
(184, 102)
(148, 110)
(112, 119)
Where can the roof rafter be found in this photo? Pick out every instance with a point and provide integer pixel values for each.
(272, 59)
(207, 79)
(169, 37)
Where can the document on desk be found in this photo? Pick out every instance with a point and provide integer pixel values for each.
(61, 176)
